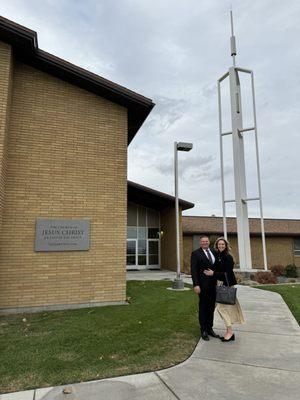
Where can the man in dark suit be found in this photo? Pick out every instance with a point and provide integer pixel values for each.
(205, 286)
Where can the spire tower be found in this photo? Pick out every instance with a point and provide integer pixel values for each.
(237, 134)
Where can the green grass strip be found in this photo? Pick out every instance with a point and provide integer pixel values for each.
(158, 329)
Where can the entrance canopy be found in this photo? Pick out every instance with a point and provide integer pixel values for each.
(153, 198)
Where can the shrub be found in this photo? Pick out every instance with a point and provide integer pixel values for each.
(290, 271)
(239, 277)
(264, 277)
(277, 270)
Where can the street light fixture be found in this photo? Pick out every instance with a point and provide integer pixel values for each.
(178, 283)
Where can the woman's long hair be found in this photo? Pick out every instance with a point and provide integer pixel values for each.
(227, 249)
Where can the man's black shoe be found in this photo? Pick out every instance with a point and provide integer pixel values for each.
(204, 336)
(213, 334)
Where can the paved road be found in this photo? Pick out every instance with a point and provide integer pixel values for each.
(263, 363)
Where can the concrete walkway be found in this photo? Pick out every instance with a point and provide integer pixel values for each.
(263, 363)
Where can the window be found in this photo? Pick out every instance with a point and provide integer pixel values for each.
(142, 215)
(142, 246)
(131, 232)
(142, 236)
(153, 233)
(297, 246)
(153, 218)
(132, 215)
(142, 233)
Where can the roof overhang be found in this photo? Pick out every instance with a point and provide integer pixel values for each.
(25, 46)
(153, 198)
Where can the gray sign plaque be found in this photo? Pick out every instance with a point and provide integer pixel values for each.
(62, 234)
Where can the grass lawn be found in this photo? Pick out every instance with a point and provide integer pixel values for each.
(290, 294)
(158, 329)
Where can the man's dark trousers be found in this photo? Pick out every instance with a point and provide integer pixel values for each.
(207, 284)
(207, 300)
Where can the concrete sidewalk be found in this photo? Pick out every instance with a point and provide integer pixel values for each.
(262, 363)
(155, 275)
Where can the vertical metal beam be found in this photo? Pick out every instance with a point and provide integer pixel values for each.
(232, 40)
(239, 172)
(222, 162)
(258, 178)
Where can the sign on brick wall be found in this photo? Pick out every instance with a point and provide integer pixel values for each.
(62, 234)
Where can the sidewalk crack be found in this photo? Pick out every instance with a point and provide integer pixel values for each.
(167, 386)
(246, 364)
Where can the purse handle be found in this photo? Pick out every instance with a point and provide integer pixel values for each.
(225, 273)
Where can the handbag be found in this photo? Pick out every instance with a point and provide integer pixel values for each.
(226, 294)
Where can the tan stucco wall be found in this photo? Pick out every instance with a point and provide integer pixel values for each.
(67, 158)
(168, 239)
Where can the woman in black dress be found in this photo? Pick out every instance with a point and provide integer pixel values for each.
(224, 264)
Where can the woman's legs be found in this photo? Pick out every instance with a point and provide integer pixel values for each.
(229, 332)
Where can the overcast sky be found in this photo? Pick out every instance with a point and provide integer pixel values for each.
(173, 52)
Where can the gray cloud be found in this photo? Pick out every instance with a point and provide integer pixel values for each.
(187, 167)
(167, 112)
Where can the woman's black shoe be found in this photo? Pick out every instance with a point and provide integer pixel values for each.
(228, 340)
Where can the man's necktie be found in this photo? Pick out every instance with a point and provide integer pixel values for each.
(209, 257)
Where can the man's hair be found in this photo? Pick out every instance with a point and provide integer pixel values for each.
(204, 236)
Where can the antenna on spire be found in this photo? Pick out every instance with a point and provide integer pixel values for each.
(232, 39)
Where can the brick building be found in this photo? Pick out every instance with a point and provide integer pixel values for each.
(282, 239)
(64, 134)
(63, 155)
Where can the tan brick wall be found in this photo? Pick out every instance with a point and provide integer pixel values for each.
(168, 240)
(187, 251)
(5, 102)
(67, 158)
(279, 250)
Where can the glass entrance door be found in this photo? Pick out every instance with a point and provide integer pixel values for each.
(153, 253)
(143, 240)
(131, 253)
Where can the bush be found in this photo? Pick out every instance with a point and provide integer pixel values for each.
(239, 277)
(277, 270)
(290, 271)
(264, 277)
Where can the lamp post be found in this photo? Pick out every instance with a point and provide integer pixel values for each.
(178, 283)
